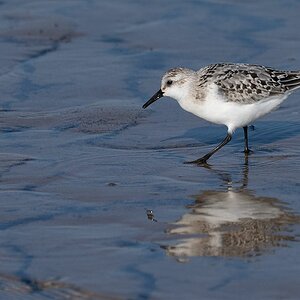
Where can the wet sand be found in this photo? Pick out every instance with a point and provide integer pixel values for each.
(81, 162)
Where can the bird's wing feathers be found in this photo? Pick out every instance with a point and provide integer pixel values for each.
(291, 80)
(249, 83)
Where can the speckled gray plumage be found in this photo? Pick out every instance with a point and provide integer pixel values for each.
(245, 83)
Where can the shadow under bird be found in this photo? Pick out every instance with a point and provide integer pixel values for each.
(231, 94)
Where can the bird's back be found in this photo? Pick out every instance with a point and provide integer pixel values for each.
(245, 83)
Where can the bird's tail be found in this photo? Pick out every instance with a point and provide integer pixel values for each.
(291, 80)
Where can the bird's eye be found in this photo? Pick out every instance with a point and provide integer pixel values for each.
(169, 82)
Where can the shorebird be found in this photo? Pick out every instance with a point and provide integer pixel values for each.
(231, 94)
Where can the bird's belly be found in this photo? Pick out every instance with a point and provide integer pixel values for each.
(233, 114)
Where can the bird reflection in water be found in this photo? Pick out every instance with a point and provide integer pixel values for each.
(233, 223)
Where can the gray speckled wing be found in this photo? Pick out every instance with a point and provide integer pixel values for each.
(246, 83)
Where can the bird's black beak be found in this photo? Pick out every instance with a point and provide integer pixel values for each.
(155, 97)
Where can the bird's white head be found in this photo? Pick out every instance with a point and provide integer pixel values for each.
(176, 83)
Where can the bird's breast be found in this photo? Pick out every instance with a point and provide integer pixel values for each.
(206, 103)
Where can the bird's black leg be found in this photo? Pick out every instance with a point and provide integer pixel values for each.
(246, 148)
(204, 159)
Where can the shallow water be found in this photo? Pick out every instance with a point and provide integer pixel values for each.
(81, 162)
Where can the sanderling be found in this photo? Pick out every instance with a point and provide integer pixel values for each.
(231, 94)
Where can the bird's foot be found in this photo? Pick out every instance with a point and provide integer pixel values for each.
(200, 161)
(248, 151)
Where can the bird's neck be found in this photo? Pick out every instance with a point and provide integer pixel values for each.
(190, 97)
